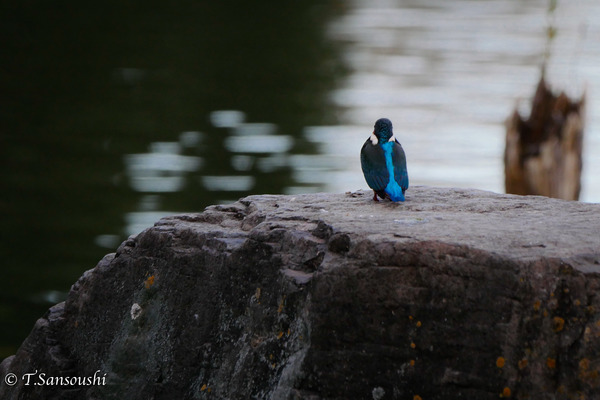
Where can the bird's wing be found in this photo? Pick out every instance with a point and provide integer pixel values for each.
(400, 171)
(372, 160)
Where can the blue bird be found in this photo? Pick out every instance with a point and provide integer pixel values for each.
(384, 163)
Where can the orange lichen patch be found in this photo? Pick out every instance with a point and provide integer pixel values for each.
(500, 361)
(558, 323)
(270, 356)
(577, 302)
(523, 363)
(506, 392)
(412, 363)
(413, 345)
(289, 331)
(203, 388)
(149, 282)
(281, 304)
(417, 397)
(280, 335)
(537, 305)
(551, 363)
(590, 377)
(257, 293)
(419, 324)
(545, 313)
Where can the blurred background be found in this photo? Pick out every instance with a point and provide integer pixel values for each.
(116, 113)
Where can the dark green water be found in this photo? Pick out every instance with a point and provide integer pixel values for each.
(85, 85)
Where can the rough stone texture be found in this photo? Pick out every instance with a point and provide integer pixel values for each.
(452, 294)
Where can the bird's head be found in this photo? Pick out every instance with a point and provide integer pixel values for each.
(383, 130)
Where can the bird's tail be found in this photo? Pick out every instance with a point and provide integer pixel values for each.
(395, 192)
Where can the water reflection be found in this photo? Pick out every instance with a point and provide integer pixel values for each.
(162, 169)
(259, 144)
(225, 183)
(255, 150)
(227, 118)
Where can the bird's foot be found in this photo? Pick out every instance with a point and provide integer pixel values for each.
(375, 196)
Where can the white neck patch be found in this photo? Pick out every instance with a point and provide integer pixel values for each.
(373, 139)
(392, 139)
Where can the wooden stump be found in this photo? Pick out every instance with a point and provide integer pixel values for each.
(543, 153)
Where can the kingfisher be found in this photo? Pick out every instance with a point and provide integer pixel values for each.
(384, 163)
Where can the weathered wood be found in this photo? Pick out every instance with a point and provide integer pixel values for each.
(543, 153)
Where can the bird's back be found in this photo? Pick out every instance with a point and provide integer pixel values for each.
(384, 168)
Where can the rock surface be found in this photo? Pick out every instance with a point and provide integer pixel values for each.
(452, 294)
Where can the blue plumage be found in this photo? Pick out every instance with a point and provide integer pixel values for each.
(384, 163)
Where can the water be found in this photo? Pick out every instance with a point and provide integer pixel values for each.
(116, 115)
(448, 73)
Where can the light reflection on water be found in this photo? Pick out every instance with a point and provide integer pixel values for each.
(236, 183)
(164, 169)
(259, 144)
(159, 172)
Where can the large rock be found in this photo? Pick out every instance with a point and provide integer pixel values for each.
(454, 293)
